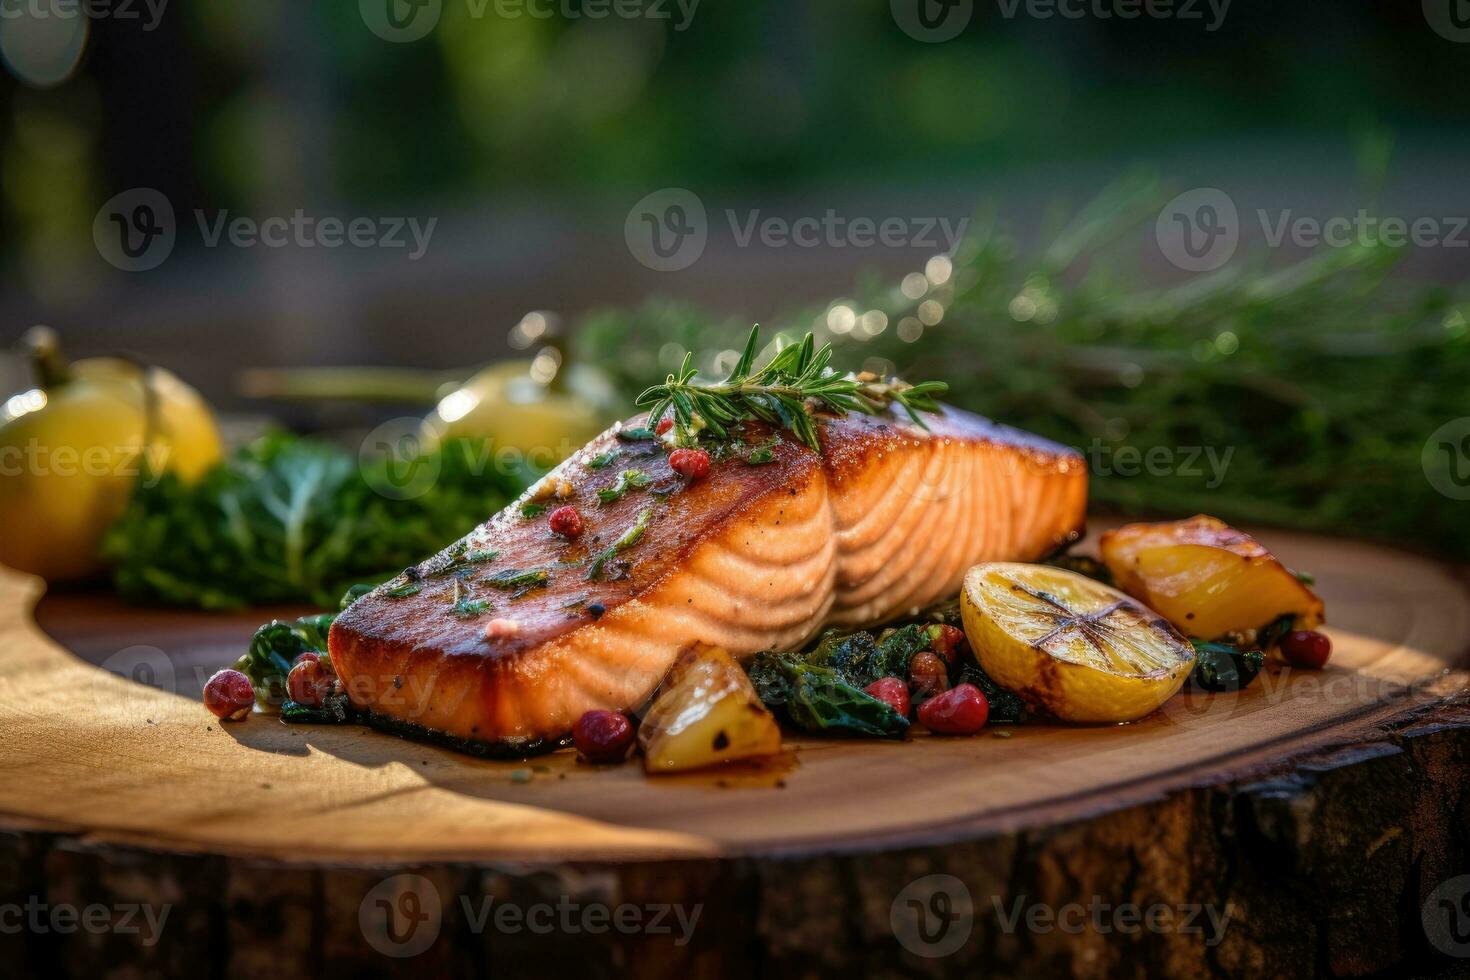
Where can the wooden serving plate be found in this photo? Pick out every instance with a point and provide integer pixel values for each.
(98, 769)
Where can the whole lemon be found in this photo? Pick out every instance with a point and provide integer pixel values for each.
(73, 448)
(540, 409)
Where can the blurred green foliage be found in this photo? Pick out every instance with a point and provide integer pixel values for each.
(1300, 396)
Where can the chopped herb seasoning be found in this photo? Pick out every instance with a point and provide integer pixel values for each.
(468, 560)
(574, 601)
(532, 509)
(403, 591)
(470, 608)
(603, 460)
(762, 454)
(627, 480)
(640, 434)
(628, 539)
(519, 581)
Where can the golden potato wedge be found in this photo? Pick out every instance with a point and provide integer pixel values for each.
(1206, 578)
(707, 713)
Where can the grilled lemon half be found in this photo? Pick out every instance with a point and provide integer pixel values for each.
(1071, 646)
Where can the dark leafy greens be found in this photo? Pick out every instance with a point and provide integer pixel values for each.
(1222, 667)
(288, 519)
(821, 699)
(274, 648)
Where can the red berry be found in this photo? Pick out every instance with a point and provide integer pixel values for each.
(949, 639)
(693, 463)
(893, 691)
(566, 522)
(1306, 648)
(229, 695)
(309, 682)
(928, 675)
(603, 736)
(959, 711)
(664, 425)
(308, 655)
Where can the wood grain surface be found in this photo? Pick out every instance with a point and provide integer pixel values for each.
(116, 761)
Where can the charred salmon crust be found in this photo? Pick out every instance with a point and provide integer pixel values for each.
(513, 632)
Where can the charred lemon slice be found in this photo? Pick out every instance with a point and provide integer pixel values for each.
(1069, 645)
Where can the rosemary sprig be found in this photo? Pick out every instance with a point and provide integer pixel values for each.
(783, 393)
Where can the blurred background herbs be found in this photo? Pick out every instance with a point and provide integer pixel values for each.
(1296, 385)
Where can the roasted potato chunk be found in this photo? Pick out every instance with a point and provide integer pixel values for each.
(707, 713)
(1207, 578)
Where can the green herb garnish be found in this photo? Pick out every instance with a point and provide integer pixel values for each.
(627, 480)
(779, 393)
(470, 608)
(821, 699)
(1222, 667)
(626, 540)
(1005, 707)
(532, 509)
(638, 434)
(274, 648)
(603, 460)
(762, 454)
(519, 581)
(403, 591)
(293, 520)
(468, 559)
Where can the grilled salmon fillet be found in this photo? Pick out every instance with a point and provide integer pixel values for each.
(512, 633)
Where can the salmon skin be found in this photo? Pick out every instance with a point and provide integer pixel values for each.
(508, 636)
